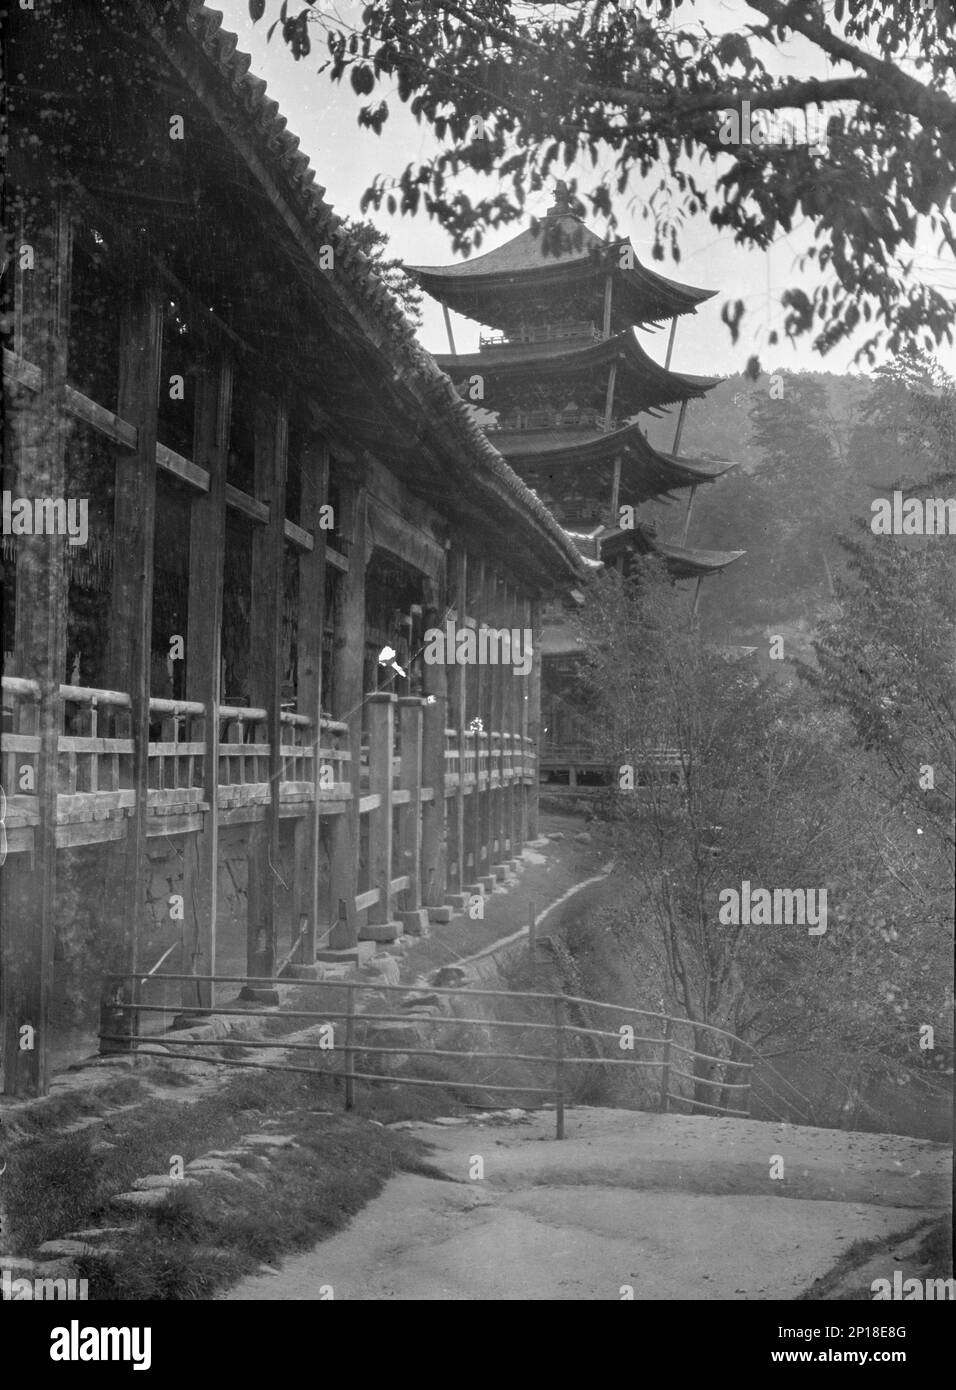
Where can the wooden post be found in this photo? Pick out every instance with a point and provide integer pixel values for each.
(559, 1067)
(524, 716)
(513, 693)
(410, 711)
(532, 938)
(451, 336)
(486, 710)
(690, 508)
(615, 490)
(609, 397)
(496, 724)
(475, 679)
(314, 470)
(670, 343)
(381, 730)
(265, 678)
(29, 878)
(349, 1055)
(435, 820)
(608, 294)
(348, 678)
(534, 721)
(457, 679)
(666, 1067)
(207, 525)
(134, 523)
(680, 429)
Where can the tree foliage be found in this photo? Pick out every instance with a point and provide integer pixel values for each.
(770, 792)
(617, 91)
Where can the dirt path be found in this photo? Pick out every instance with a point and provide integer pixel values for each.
(673, 1207)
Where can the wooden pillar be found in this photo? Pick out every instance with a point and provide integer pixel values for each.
(457, 721)
(609, 396)
(477, 709)
(314, 470)
(499, 675)
(411, 709)
(381, 728)
(134, 528)
(534, 720)
(680, 429)
(265, 678)
(608, 294)
(349, 648)
(207, 543)
(524, 709)
(437, 716)
(513, 691)
(29, 879)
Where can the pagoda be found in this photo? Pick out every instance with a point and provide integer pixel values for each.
(565, 389)
(567, 381)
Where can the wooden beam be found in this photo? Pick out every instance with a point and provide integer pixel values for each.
(207, 543)
(29, 880)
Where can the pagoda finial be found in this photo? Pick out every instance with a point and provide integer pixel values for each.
(562, 199)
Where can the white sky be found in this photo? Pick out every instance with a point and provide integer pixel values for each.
(347, 158)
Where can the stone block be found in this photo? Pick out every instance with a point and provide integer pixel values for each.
(380, 931)
(457, 901)
(415, 922)
(440, 915)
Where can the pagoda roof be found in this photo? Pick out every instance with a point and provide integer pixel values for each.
(560, 252)
(641, 383)
(646, 471)
(683, 562)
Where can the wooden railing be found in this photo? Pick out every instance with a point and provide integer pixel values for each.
(687, 1063)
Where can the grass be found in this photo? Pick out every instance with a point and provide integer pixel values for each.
(935, 1250)
(202, 1238)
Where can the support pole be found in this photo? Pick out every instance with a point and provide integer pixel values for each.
(451, 336)
(207, 526)
(29, 877)
(265, 677)
(134, 522)
(690, 508)
(314, 472)
(670, 343)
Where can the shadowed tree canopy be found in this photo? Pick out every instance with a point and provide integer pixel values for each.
(639, 89)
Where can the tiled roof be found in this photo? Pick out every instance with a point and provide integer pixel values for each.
(361, 291)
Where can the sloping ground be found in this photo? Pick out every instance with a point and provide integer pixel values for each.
(672, 1207)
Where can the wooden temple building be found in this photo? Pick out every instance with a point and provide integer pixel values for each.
(566, 388)
(221, 746)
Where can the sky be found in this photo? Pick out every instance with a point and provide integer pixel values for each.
(346, 158)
